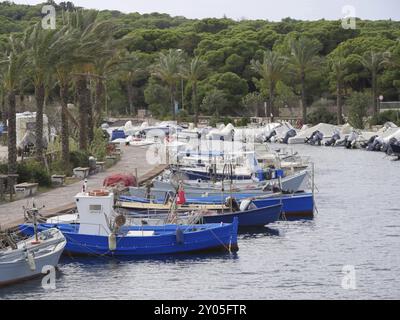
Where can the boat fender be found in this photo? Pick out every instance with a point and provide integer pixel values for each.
(112, 242)
(180, 238)
(245, 204)
(31, 261)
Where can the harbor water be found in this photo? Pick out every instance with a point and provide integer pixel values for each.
(357, 228)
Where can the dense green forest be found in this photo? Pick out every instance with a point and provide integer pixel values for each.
(227, 47)
(108, 61)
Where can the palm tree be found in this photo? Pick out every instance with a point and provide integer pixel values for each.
(14, 63)
(131, 67)
(104, 66)
(304, 57)
(374, 62)
(168, 68)
(271, 70)
(92, 38)
(339, 69)
(193, 73)
(64, 57)
(40, 43)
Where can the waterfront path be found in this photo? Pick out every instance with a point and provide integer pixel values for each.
(61, 199)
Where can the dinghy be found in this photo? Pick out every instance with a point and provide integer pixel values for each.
(26, 259)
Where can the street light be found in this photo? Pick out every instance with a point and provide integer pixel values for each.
(380, 99)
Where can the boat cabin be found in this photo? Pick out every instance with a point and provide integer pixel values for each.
(95, 209)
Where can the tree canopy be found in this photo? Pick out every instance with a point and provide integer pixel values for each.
(227, 47)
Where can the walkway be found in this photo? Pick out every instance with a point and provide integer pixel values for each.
(61, 199)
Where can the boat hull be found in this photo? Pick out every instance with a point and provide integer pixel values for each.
(294, 206)
(252, 218)
(14, 266)
(208, 237)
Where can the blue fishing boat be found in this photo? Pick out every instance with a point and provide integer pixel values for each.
(97, 234)
(147, 240)
(253, 217)
(294, 206)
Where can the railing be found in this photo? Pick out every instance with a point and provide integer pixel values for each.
(390, 105)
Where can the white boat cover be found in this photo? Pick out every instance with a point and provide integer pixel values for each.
(327, 130)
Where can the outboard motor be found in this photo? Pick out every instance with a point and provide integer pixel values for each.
(270, 135)
(351, 140)
(332, 141)
(376, 145)
(369, 142)
(290, 134)
(387, 146)
(316, 138)
(232, 203)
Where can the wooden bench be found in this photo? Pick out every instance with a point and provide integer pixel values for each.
(26, 189)
(58, 179)
(81, 173)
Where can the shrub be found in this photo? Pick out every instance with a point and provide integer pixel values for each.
(243, 122)
(383, 117)
(213, 121)
(79, 158)
(183, 116)
(227, 120)
(321, 114)
(98, 147)
(358, 105)
(30, 171)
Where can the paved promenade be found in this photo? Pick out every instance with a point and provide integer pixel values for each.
(11, 214)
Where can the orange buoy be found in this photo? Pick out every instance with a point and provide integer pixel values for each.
(99, 193)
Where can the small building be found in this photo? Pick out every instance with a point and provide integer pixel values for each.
(26, 123)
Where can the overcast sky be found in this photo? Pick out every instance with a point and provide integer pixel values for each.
(273, 10)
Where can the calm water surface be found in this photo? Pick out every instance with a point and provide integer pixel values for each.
(358, 223)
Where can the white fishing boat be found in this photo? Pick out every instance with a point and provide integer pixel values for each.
(26, 259)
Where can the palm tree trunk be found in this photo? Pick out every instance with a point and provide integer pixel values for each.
(84, 109)
(271, 100)
(172, 92)
(64, 127)
(3, 113)
(374, 94)
(195, 105)
(91, 122)
(339, 102)
(99, 102)
(39, 96)
(129, 91)
(303, 96)
(12, 134)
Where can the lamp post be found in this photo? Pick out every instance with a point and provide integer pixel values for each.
(380, 99)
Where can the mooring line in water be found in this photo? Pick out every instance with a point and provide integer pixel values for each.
(104, 256)
(228, 248)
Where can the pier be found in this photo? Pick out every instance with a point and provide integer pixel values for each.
(60, 200)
